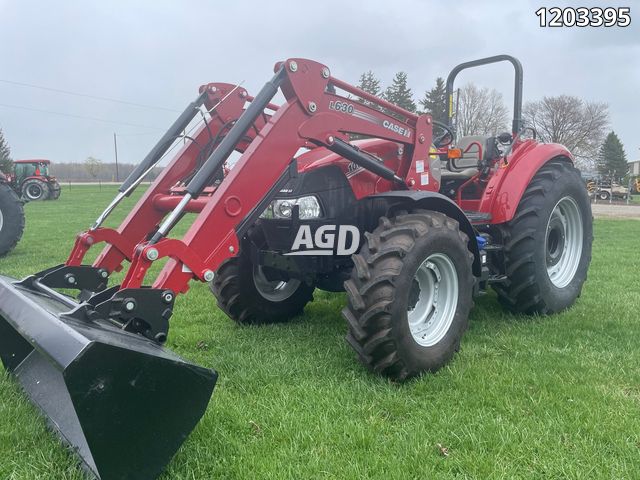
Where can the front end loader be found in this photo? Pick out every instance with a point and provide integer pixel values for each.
(406, 219)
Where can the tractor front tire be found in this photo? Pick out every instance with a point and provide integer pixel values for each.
(410, 294)
(547, 244)
(247, 296)
(11, 219)
(35, 190)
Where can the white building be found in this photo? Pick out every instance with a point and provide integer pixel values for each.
(634, 168)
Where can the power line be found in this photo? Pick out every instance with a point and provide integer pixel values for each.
(78, 116)
(84, 95)
(137, 134)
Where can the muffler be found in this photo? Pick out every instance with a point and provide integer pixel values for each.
(121, 401)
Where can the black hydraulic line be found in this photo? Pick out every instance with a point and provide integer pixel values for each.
(165, 142)
(517, 89)
(239, 129)
(363, 159)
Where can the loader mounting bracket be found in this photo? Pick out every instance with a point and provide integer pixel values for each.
(145, 311)
(82, 277)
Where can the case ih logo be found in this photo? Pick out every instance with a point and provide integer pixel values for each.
(396, 128)
(328, 240)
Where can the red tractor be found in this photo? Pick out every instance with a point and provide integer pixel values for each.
(31, 180)
(409, 221)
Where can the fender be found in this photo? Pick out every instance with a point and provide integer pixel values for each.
(403, 199)
(42, 178)
(507, 185)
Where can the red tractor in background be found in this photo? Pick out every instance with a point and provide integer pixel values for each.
(409, 220)
(30, 179)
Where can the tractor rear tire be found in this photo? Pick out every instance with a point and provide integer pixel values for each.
(248, 297)
(547, 244)
(11, 219)
(35, 190)
(410, 294)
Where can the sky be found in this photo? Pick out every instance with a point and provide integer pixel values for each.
(158, 52)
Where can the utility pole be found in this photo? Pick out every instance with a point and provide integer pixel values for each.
(115, 147)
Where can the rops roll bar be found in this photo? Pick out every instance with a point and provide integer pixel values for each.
(517, 90)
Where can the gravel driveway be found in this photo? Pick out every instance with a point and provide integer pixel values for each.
(606, 210)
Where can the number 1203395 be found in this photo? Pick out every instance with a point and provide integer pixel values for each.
(584, 16)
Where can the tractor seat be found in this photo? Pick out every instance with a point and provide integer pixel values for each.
(446, 174)
(467, 166)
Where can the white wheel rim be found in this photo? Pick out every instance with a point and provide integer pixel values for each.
(274, 291)
(37, 189)
(1, 220)
(433, 299)
(563, 242)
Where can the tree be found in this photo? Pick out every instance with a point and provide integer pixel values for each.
(6, 164)
(612, 159)
(369, 83)
(480, 111)
(577, 124)
(435, 101)
(399, 93)
(93, 166)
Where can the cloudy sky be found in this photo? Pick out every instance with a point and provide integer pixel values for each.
(157, 53)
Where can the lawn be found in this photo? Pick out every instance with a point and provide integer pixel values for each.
(544, 397)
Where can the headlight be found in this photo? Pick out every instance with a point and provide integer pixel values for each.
(308, 208)
(283, 208)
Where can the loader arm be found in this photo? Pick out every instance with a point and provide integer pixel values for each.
(225, 103)
(312, 114)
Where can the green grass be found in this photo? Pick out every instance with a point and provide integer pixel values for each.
(546, 397)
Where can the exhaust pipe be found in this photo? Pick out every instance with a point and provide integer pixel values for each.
(122, 402)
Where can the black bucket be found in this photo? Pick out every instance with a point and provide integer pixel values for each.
(123, 403)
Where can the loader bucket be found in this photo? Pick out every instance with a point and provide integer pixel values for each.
(123, 403)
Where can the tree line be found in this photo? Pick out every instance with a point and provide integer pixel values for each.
(480, 111)
(91, 170)
(578, 124)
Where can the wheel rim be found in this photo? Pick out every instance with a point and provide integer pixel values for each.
(433, 299)
(34, 192)
(1, 220)
(563, 243)
(276, 290)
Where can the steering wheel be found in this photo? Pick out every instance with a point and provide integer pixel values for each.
(446, 138)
